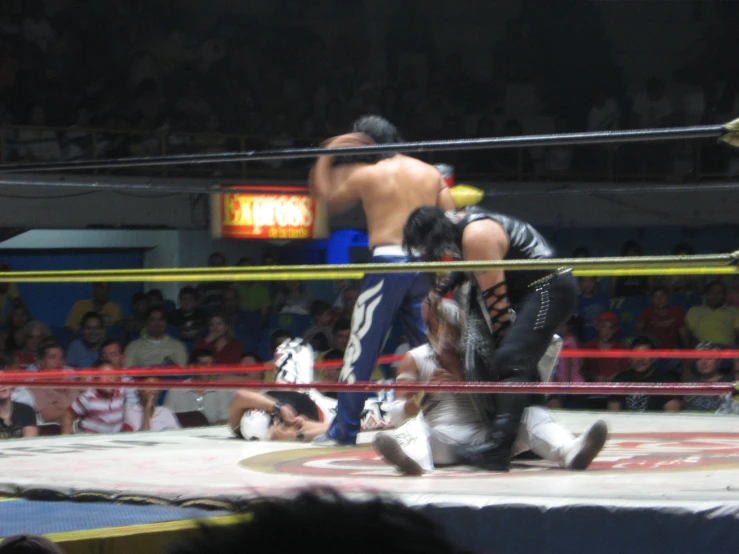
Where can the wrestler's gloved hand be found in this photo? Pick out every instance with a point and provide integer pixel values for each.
(444, 285)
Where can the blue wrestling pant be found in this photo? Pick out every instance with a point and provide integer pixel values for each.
(381, 298)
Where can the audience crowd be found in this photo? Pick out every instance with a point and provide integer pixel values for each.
(161, 74)
(219, 323)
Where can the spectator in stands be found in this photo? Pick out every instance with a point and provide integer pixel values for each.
(652, 107)
(605, 114)
(194, 105)
(663, 322)
(84, 351)
(688, 284)
(135, 323)
(318, 335)
(100, 303)
(568, 370)
(276, 338)
(52, 404)
(270, 259)
(251, 359)
(644, 370)
(212, 403)
(346, 303)
(34, 333)
(156, 347)
(634, 285)
(9, 295)
(714, 321)
(214, 141)
(36, 27)
(293, 299)
(16, 419)
(220, 341)
(39, 145)
(111, 352)
(18, 318)
(189, 318)
(211, 292)
(10, 67)
(730, 404)
(237, 320)
(155, 298)
(96, 410)
(254, 296)
(340, 334)
(707, 370)
(590, 304)
(145, 415)
(557, 159)
(78, 142)
(603, 369)
(732, 298)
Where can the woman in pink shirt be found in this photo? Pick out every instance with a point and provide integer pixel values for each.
(147, 416)
(569, 370)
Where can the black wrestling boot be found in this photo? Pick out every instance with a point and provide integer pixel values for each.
(495, 455)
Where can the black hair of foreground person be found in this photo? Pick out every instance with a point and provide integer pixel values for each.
(323, 521)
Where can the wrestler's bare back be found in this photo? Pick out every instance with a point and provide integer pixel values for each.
(391, 189)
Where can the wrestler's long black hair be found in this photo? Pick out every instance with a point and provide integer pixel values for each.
(378, 129)
(432, 234)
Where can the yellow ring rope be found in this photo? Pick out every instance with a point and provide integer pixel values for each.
(611, 266)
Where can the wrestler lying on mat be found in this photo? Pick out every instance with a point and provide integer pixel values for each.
(447, 422)
(292, 415)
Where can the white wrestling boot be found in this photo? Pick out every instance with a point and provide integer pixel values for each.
(391, 451)
(407, 448)
(550, 440)
(580, 453)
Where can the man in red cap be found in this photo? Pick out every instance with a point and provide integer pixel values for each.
(603, 369)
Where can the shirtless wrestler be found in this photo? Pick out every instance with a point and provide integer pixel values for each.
(389, 187)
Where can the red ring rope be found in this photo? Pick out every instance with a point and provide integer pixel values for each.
(660, 389)
(260, 368)
(167, 370)
(621, 353)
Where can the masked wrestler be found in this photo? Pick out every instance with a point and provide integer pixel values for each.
(291, 415)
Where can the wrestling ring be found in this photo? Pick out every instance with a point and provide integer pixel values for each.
(663, 482)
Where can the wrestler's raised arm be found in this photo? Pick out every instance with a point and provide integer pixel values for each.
(486, 240)
(336, 185)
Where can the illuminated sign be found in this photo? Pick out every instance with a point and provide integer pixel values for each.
(268, 216)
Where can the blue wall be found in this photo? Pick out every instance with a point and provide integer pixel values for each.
(51, 302)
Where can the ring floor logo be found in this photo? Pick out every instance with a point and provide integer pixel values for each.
(623, 452)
